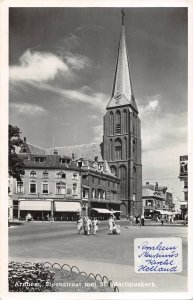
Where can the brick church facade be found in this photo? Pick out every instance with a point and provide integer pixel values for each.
(122, 133)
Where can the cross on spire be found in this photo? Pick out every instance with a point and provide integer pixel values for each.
(123, 15)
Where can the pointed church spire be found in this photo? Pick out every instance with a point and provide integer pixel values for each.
(122, 93)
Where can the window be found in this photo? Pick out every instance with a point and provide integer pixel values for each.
(111, 149)
(99, 181)
(45, 174)
(61, 188)
(74, 187)
(40, 159)
(118, 121)
(123, 185)
(111, 123)
(92, 179)
(20, 189)
(45, 189)
(125, 121)
(33, 188)
(118, 149)
(62, 160)
(61, 175)
(185, 196)
(75, 176)
(33, 174)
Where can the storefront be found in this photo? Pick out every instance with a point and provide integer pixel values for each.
(39, 209)
(49, 209)
(66, 211)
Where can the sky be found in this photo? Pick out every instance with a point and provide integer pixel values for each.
(61, 71)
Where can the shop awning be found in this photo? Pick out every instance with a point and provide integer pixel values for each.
(115, 211)
(67, 206)
(35, 205)
(164, 212)
(102, 210)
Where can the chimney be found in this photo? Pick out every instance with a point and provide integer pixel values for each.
(24, 139)
(73, 156)
(156, 186)
(96, 158)
(147, 183)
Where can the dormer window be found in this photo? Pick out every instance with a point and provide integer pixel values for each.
(40, 159)
(63, 160)
(33, 174)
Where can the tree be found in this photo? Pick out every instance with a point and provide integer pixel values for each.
(16, 165)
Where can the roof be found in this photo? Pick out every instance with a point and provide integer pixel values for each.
(51, 162)
(122, 93)
(146, 192)
(86, 151)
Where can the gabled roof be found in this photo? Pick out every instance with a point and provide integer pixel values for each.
(86, 151)
(51, 162)
(29, 148)
(122, 93)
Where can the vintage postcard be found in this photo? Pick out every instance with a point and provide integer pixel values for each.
(96, 142)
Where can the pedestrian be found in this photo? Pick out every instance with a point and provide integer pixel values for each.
(88, 226)
(79, 224)
(95, 223)
(139, 221)
(84, 225)
(162, 220)
(142, 220)
(111, 224)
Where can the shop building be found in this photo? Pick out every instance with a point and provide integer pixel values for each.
(183, 176)
(152, 201)
(50, 188)
(100, 188)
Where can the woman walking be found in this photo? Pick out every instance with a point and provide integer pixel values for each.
(79, 224)
(95, 223)
(111, 225)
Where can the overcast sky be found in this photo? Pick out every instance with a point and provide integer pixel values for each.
(62, 64)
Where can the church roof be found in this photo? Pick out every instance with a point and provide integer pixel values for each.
(86, 151)
(122, 93)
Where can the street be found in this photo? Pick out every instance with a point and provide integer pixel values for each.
(111, 255)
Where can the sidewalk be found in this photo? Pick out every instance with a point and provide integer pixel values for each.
(122, 275)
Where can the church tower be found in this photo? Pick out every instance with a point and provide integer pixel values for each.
(122, 133)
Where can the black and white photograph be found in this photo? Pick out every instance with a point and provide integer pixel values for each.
(98, 153)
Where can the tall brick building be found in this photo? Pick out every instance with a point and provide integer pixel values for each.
(122, 133)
